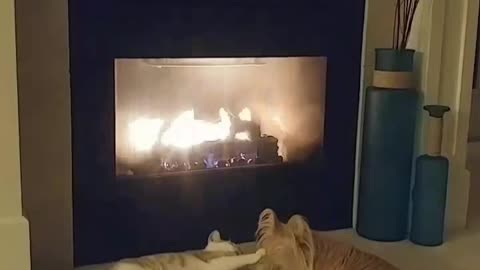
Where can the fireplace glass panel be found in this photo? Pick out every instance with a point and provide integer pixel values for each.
(186, 115)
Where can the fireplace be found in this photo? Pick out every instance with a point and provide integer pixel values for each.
(193, 118)
(192, 115)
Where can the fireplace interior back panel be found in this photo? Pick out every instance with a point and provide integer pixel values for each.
(118, 216)
(188, 115)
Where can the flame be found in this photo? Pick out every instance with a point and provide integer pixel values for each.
(186, 131)
(242, 136)
(245, 115)
(143, 133)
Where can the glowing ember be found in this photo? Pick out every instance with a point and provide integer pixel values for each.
(143, 133)
(245, 115)
(186, 131)
(242, 136)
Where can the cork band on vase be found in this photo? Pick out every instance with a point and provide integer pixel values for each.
(393, 79)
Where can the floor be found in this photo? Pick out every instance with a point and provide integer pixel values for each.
(460, 252)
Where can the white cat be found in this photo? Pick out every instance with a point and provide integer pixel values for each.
(217, 255)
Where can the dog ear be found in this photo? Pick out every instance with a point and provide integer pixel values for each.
(214, 236)
(267, 224)
(298, 225)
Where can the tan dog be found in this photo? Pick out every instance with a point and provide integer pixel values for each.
(293, 246)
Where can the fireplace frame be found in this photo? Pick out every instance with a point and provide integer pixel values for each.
(96, 39)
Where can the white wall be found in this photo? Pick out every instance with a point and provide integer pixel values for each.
(14, 238)
(445, 40)
(455, 90)
(45, 130)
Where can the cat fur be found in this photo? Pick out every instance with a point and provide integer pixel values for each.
(217, 255)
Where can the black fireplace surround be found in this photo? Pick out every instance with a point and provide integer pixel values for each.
(116, 218)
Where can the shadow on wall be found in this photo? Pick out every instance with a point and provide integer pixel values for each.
(473, 159)
(474, 132)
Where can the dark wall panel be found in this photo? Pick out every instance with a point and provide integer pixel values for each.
(109, 213)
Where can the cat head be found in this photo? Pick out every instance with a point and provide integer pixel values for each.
(288, 246)
(215, 243)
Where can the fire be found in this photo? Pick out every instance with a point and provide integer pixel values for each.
(143, 133)
(186, 131)
(245, 115)
(242, 136)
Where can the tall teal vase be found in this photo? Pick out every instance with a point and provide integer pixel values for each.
(387, 148)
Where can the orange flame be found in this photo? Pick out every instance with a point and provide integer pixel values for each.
(245, 115)
(184, 131)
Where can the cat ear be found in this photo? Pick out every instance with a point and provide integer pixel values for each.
(214, 236)
(298, 225)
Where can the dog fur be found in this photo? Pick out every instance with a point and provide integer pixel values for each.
(294, 246)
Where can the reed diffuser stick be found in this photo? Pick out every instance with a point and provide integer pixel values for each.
(403, 21)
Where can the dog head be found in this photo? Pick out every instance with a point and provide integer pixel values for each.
(288, 246)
